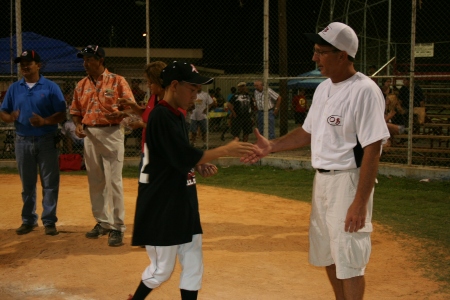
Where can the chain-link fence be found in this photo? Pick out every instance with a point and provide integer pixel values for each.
(398, 40)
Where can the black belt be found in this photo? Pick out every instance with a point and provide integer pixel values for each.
(269, 109)
(327, 171)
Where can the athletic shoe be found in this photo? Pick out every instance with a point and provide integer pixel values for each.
(115, 238)
(25, 228)
(51, 230)
(97, 231)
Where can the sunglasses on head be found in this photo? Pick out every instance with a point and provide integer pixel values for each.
(90, 49)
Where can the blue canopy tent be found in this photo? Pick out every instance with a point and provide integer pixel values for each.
(307, 83)
(57, 56)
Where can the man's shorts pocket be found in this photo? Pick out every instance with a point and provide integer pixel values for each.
(354, 249)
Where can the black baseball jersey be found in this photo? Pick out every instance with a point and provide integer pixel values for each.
(167, 206)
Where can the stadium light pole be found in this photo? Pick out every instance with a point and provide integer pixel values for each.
(18, 33)
(147, 25)
(11, 55)
(283, 67)
(411, 79)
(266, 68)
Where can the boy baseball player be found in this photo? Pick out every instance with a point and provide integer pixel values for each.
(167, 219)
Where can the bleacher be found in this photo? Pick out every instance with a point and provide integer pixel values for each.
(431, 138)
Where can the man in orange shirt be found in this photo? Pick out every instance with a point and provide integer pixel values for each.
(96, 115)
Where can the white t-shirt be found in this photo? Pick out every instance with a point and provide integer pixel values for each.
(203, 101)
(342, 114)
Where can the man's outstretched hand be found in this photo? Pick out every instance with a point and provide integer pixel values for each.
(262, 149)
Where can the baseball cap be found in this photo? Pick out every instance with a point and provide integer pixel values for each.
(242, 83)
(339, 35)
(29, 55)
(183, 71)
(90, 51)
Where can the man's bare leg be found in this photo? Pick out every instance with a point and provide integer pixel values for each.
(346, 289)
(335, 282)
(354, 288)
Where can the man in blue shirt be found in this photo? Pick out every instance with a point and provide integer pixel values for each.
(36, 105)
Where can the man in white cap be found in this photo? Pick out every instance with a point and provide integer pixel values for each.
(345, 127)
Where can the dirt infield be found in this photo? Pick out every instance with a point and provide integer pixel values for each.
(255, 247)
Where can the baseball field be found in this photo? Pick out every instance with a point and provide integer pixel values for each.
(255, 247)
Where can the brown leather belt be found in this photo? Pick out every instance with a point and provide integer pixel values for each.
(103, 125)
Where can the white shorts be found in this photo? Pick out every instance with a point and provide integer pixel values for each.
(333, 192)
(163, 260)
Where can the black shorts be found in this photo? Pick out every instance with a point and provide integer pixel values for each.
(241, 124)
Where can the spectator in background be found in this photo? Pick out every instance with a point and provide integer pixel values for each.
(241, 108)
(233, 91)
(152, 74)
(372, 69)
(36, 105)
(73, 142)
(214, 123)
(212, 94)
(395, 116)
(2, 96)
(418, 105)
(300, 106)
(95, 112)
(219, 98)
(139, 95)
(403, 95)
(386, 87)
(273, 107)
(68, 128)
(202, 104)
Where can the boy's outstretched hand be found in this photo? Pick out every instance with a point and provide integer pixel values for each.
(262, 148)
(236, 148)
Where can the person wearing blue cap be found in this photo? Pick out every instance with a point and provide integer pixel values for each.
(36, 105)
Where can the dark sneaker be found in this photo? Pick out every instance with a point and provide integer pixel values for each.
(97, 231)
(25, 228)
(115, 238)
(51, 230)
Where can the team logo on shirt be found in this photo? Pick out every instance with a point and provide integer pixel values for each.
(191, 177)
(334, 120)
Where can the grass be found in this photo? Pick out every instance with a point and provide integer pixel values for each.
(409, 208)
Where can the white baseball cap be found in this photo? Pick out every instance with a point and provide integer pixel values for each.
(339, 35)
